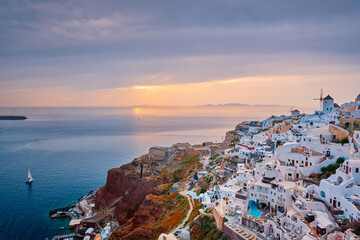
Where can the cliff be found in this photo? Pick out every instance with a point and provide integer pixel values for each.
(126, 190)
(155, 215)
(204, 228)
(231, 138)
(141, 202)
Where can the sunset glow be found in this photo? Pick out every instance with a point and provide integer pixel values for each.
(152, 55)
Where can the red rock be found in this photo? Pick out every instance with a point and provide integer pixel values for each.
(126, 190)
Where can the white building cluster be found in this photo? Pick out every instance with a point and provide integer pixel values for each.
(276, 192)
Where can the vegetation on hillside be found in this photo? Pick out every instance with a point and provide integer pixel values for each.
(331, 169)
(196, 211)
(204, 228)
(180, 168)
(173, 212)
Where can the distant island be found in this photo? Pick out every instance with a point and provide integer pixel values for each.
(241, 105)
(13, 117)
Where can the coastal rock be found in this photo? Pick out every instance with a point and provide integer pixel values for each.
(182, 145)
(230, 138)
(156, 214)
(147, 214)
(125, 190)
(139, 201)
(158, 153)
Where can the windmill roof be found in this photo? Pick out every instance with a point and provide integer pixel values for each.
(328, 97)
(336, 105)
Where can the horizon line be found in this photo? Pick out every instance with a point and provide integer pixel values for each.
(159, 106)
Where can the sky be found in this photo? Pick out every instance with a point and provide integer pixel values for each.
(178, 53)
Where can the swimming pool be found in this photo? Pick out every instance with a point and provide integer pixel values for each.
(253, 209)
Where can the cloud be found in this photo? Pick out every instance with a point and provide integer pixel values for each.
(88, 46)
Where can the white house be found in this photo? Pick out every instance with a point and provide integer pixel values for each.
(341, 190)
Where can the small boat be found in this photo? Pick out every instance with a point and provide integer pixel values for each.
(61, 228)
(29, 179)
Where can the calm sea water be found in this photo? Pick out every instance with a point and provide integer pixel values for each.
(70, 150)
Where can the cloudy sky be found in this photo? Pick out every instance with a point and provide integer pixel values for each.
(122, 53)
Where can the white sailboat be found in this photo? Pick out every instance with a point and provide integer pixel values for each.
(29, 179)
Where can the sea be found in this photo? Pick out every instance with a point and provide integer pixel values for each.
(70, 149)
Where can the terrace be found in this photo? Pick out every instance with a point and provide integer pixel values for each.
(238, 231)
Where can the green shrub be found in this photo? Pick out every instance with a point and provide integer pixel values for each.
(344, 140)
(340, 160)
(203, 190)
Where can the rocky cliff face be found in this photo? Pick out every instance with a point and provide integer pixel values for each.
(126, 190)
(139, 201)
(230, 138)
(156, 214)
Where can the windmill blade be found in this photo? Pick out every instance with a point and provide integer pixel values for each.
(321, 97)
(321, 94)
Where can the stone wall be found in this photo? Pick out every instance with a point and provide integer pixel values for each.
(350, 124)
(337, 132)
(218, 218)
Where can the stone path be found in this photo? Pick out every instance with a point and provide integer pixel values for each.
(181, 225)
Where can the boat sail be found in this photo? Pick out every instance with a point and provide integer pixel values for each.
(29, 179)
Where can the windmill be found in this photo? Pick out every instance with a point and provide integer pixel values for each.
(320, 98)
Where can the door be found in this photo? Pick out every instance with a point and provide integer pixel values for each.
(334, 203)
(347, 169)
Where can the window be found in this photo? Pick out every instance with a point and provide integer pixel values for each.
(330, 200)
(357, 170)
(338, 204)
(310, 164)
